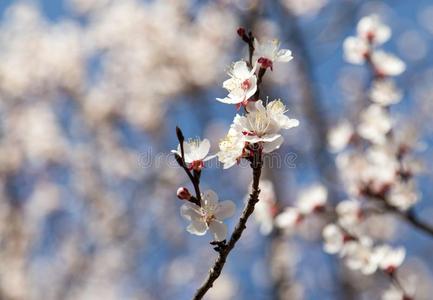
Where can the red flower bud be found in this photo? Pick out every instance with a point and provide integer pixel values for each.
(183, 193)
(241, 31)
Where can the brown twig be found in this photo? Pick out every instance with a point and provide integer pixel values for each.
(193, 177)
(411, 218)
(215, 271)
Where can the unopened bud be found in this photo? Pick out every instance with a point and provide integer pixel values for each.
(241, 32)
(183, 193)
(179, 135)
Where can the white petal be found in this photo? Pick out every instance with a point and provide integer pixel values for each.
(230, 84)
(190, 211)
(209, 197)
(253, 88)
(284, 55)
(197, 227)
(388, 64)
(354, 50)
(271, 146)
(288, 218)
(203, 148)
(228, 100)
(287, 123)
(225, 210)
(219, 230)
(270, 137)
(259, 105)
(240, 70)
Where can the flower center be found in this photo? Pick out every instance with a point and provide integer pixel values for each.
(196, 165)
(246, 85)
(259, 123)
(208, 218)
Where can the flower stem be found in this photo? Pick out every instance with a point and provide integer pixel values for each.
(215, 270)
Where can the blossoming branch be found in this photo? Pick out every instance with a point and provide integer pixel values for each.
(252, 134)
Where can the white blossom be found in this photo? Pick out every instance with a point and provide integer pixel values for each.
(371, 29)
(340, 136)
(276, 110)
(262, 124)
(403, 195)
(288, 219)
(355, 50)
(242, 85)
(381, 168)
(269, 52)
(387, 64)
(371, 32)
(375, 123)
(231, 149)
(390, 258)
(349, 213)
(351, 166)
(359, 255)
(209, 216)
(311, 199)
(384, 92)
(333, 239)
(195, 152)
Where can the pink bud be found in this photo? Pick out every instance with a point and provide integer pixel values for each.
(183, 193)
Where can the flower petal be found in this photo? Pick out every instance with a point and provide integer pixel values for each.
(240, 70)
(219, 230)
(287, 123)
(203, 149)
(190, 211)
(225, 210)
(270, 137)
(284, 55)
(209, 197)
(197, 227)
(271, 146)
(229, 100)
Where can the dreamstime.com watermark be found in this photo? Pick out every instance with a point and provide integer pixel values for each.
(274, 160)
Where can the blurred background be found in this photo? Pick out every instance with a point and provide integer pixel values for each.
(90, 94)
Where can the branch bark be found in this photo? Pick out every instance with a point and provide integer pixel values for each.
(411, 218)
(215, 271)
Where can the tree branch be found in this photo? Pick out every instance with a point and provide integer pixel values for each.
(411, 218)
(215, 271)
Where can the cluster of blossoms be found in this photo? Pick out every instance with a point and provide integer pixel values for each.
(374, 165)
(257, 131)
(373, 161)
(347, 238)
(311, 200)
